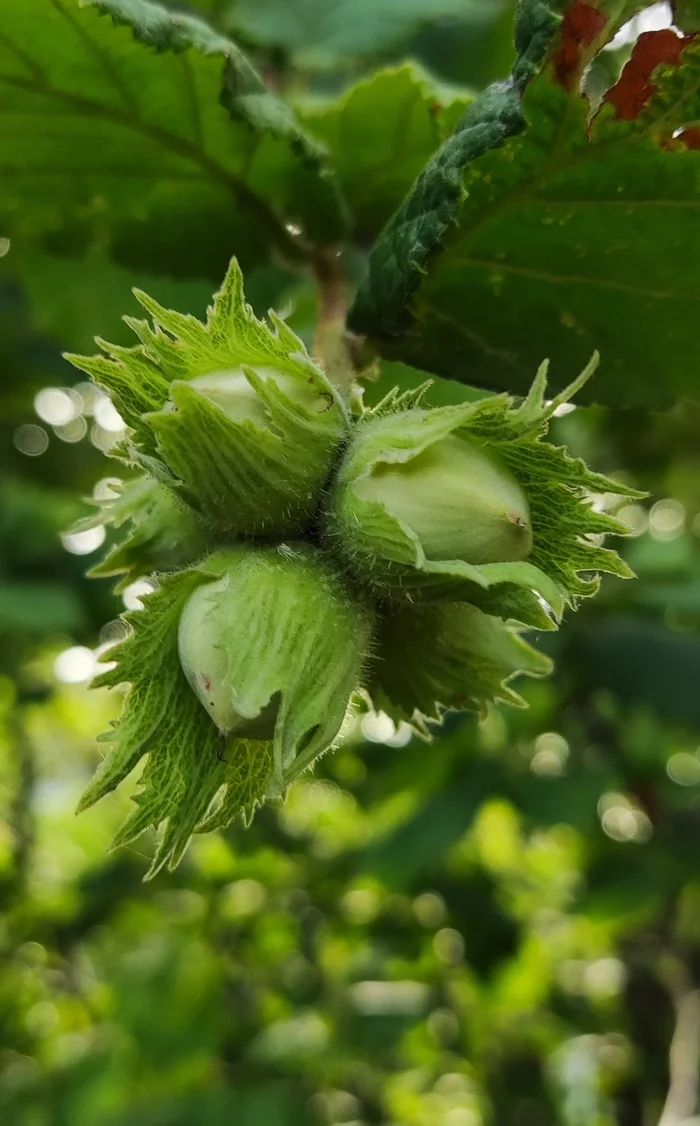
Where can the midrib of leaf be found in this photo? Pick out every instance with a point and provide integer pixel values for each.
(193, 151)
(554, 164)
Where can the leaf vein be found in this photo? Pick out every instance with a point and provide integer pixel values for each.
(26, 60)
(111, 73)
(575, 279)
(474, 338)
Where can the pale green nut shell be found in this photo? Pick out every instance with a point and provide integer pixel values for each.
(233, 392)
(274, 648)
(459, 499)
(204, 657)
(454, 499)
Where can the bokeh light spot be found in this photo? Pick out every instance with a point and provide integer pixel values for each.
(75, 665)
(31, 440)
(82, 543)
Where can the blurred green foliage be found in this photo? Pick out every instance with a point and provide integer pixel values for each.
(500, 928)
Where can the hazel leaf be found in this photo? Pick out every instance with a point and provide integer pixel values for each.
(144, 129)
(379, 133)
(337, 35)
(539, 220)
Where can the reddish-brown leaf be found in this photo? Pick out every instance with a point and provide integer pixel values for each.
(690, 138)
(634, 88)
(580, 27)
